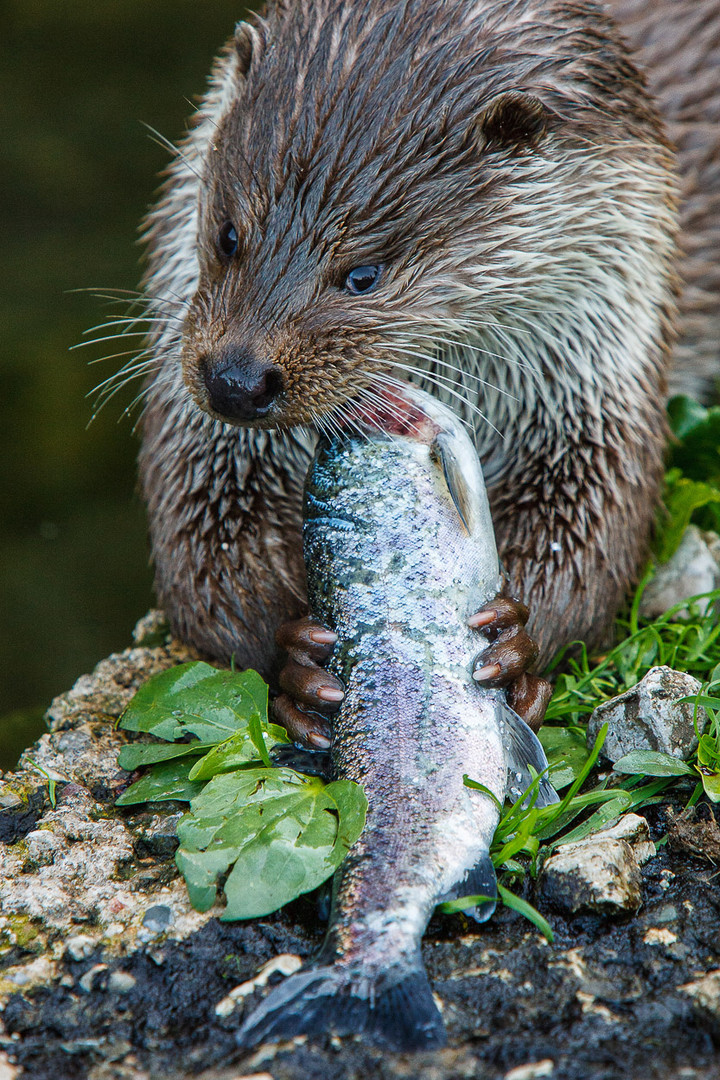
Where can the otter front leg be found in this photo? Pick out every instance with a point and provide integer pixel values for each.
(311, 694)
(225, 520)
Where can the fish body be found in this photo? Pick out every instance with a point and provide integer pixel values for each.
(400, 551)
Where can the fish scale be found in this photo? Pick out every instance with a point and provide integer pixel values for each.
(400, 551)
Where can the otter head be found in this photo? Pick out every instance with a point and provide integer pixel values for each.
(385, 195)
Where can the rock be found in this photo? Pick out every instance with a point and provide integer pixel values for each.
(705, 994)
(121, 982)
(158, 919)
(635, 830)
(80, 946)
(599, 874)
(534, 1070)
(693, 569)
(106, 972)
(649, 717)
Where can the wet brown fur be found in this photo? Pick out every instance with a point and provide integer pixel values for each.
(340, 134)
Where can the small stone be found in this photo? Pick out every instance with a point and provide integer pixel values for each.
(659, 935)
(42, 845)
(691, 570)
(80, 947)
(705, 994)
(534, 1070)
(635, 830)
(600, 875)
(121, 982)
(9, 800)
(152, 629)
(86, 982)
(158, 919)
(649, 717)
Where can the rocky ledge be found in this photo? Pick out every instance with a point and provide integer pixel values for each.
(106, 972)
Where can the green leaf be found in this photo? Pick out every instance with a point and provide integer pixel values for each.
(517, 903)
(282, 833)
(168, 780)
(708, 753)
(698, 428)
(682, 498)
(199, 700)
(652, 763)
(134, 755)
(238, 750)
(566, 751)
(711, 784)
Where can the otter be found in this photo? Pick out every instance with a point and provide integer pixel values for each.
(480, 197)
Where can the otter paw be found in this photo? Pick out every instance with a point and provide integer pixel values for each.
(310, 692)
(505, 661)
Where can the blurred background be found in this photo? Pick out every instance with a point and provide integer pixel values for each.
(78, 172)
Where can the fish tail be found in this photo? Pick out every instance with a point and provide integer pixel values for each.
(394, 1009)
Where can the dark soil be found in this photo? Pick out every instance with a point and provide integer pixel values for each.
(601, 1003)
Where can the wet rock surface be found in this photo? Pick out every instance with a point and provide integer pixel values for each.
(106, 973)
(651, 716)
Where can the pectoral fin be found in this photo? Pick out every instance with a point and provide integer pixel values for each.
(445, 451)
(524, 749)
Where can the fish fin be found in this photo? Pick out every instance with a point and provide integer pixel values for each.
(394, 1009)
(523, 749)
(455, 478)
(480, 880)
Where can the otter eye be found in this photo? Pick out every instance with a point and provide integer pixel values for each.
(227, 240)
(362, 279)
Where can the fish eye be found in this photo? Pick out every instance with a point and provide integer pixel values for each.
(362, 279)
(227, 240)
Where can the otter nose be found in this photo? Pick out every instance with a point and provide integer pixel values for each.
(241, 387)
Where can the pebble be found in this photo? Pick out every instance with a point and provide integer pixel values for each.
(86, 982)
(534, 1070)
(648, 717)
(10, 801)
(596, 874)
(121, 982)
(79, 947)
(158, 919)
(705, 994)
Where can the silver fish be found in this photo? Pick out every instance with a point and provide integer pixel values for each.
(400, 551)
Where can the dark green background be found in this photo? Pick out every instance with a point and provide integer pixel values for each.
(78, 170)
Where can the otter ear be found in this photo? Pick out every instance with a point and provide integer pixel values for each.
(248, 43)
(513, 120)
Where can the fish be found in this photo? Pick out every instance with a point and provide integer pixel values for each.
(400, 550)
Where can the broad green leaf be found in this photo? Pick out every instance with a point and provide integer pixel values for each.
(682, 498)
(199, 700)
(652, 763)
(168, 780)
(698, 429)
(282, 833)
(566, 752)
(239, 749)
(134, 755)
(711, 784)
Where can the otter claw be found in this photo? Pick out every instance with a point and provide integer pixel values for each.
(309, 691)
(507, 657)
